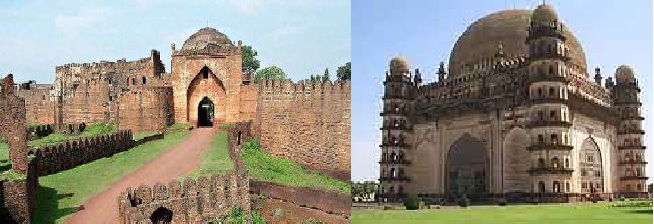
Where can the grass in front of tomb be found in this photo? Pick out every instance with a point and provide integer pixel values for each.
(94, 129)
(573, 213)
(215, 159)
(62, 193)
(5, 163)
(178, 127)
(265, 166)
(144, 134)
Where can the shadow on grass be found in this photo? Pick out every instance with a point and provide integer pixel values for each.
(646, 211)
(4, 165)
(47, 206)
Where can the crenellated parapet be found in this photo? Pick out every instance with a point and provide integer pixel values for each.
(193, 201)
(65, 155)
(276, 87)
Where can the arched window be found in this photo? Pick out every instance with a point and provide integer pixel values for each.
(556, 186)
(384, 159)
(551, 91)
(393, 174)
(540, 139)
(541, 162)
(554, 139)
(555, 162)
(541, 187)
(143, 80)
(393, 155)
(567, 187)
(639, 187)
(567, 163)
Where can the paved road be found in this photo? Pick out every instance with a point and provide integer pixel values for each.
(176, 162)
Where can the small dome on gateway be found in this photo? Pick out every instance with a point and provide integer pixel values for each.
(399, 64)
(624, 74)
(206, 38)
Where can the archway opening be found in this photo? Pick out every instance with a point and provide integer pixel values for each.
(205, 113)
(467, 171)
(162, 215)
(590, 164)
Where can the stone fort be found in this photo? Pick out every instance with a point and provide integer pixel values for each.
(308, 122)
(515, 116)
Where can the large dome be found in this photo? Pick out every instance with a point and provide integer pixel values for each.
(206, 38)
(509, 27)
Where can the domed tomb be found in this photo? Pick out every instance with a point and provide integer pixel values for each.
(481, 39)
(207, 38)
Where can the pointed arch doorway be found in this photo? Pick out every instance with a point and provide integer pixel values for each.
(205, 113)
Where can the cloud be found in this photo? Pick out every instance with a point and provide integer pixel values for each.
(284, 32)
(84, 18)
(250, 7)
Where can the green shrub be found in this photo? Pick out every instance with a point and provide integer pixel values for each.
(464, 202)
(412, 202)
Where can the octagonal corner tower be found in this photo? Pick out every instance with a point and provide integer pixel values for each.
(206, 78)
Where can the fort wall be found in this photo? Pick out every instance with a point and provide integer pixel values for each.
(39, 103)
(144, 109)
(207, 199)
(66, 155)
(307, 122)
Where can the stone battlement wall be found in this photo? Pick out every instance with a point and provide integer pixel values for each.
(66, 155)
(18, 197)
(145, 109)
(207, 199)
(307, 122)
(323, 200)
(39, 102)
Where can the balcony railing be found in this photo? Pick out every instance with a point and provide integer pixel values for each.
(631, 131)
(640, 177)
(397, 178)
(633, 162)
(397, 161)
(623, 147)
(548, 100)
(548, 123)
(546, 146)
(550, 170)
(393, 144)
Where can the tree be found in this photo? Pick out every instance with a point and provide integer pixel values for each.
(344, 72)
(272, 72)
(316, 78)
(248, 56)
(325, 77)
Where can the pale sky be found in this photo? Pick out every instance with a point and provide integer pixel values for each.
(302, 37)
(611, 33)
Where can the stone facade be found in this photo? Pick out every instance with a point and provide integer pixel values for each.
(204, 200)
(69, 154)
(308, 122)
(17, 196)
(517, 117)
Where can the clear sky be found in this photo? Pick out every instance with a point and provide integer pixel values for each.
(611, 32)
(303, 37)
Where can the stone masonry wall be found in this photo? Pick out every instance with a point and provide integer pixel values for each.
(307, 122)
(323, 200)
(207, 199)
(17, 197)
(38, 102)
(144, 109)
(66, 155)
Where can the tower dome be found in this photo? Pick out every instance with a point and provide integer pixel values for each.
(480, 40)
(207, 38)
(544, 13)
(399, 64)
(624, 74)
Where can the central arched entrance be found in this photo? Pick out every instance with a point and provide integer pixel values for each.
(466, 169)
(205, 113)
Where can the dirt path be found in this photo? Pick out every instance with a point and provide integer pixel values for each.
(176, 162)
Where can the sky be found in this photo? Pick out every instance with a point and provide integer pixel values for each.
(302, 37)
(611, 33)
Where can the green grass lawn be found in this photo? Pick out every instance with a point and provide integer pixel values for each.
(62, 193)
(94, 129)
(143, 134)
(600, 213)
(5, 163)
(216, 159)
(266, 167)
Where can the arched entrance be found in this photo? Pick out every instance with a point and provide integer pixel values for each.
(205, 113)
(590, 165)
(162, 215)
(467, 169)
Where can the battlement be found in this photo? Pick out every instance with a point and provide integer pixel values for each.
(108, 66)
(190, 200)
(302, 87)
(66, 155)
